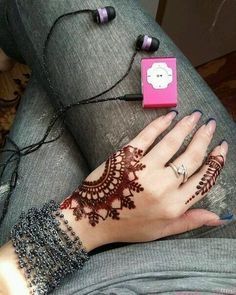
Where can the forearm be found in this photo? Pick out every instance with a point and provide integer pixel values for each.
(12, 278)
(2, 287)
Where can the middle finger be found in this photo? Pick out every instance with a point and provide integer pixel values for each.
(163, 151)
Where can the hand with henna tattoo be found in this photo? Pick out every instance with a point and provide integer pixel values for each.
(117, 184)
(135, 196)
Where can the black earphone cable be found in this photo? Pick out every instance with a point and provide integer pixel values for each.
(45, 56)
(19, 152)
(46, 43)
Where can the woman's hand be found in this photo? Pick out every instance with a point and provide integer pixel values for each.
(135, 196)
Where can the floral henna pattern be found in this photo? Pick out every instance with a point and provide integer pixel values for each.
(116, 185)
(216, 164)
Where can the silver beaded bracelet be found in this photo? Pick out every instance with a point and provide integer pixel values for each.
(45, 251)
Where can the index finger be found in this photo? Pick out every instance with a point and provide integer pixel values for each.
(148, 135)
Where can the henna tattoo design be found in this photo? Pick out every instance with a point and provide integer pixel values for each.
(117, 183)
(216, 164)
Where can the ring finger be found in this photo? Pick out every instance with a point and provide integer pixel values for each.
(194, 155)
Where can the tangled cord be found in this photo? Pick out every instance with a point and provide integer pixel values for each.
(18, 153)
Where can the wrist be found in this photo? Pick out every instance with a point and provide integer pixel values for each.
(91, 237)
(47, 247)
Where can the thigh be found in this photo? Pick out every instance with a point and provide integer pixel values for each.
(159, 267)
(85, 59)
(52, 172)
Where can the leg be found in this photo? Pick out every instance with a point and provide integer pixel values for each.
(150, 264)
(44, 175)
(152, 268)
(115, 123)
(49, 173)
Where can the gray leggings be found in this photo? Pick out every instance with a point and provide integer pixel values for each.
(84, 59)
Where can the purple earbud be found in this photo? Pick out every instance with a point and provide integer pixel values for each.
(147, 43)
(104, 15)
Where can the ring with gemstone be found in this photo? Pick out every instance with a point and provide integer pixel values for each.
(180, 171)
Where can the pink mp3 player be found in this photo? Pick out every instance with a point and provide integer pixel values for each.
(159, 82)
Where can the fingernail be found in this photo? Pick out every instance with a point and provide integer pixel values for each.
(211, 126)
(223, 219)
(224, 140)
(171, 115)
(194, 111)
(209, 120)
(195, 116)
(227, 217)
(224, 147)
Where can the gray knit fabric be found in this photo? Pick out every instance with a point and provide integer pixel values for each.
(202, 266)
(84, 59)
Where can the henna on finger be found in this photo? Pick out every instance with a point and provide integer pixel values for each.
(115, 186)
(215, 165)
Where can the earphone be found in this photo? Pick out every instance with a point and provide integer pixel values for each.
(147, 43)
(104, 15)
(100, 16)
(144, 42)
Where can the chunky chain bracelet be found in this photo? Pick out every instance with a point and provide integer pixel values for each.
(46, 252)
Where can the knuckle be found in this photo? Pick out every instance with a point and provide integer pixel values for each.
(204, 136)
(197, 157)
(173, 140)
(151, 131)
(188, 226)
(157, 125)
(144, 137)
(154, 192)
(186, 124)
(154, 127)
(161, 190)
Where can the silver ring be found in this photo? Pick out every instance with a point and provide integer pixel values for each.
(180, 171)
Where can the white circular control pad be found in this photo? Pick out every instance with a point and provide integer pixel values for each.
(159, 75)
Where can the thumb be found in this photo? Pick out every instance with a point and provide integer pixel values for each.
(193, 219)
